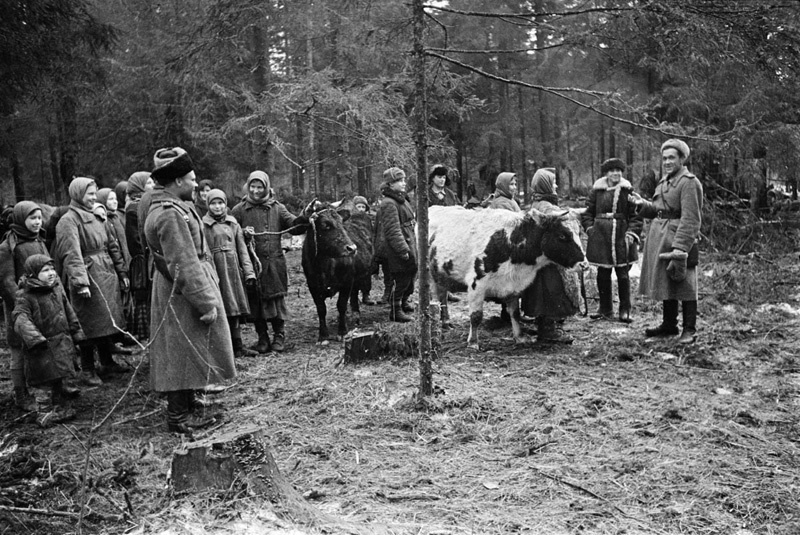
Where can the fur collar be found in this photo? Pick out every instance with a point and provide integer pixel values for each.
(602, 184)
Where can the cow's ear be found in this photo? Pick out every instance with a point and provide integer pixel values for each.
(344, 213)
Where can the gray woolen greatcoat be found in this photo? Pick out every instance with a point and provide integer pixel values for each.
(90, 257)
(226, 243)
(185, 353)
(609, 237)
(395, 236)
(681, 194)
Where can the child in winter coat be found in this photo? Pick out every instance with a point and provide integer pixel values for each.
(49, 329)
(226, 243)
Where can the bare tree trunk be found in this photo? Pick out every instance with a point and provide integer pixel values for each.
(421, 141)
(19, 186)
(312, 146)
(523, 138)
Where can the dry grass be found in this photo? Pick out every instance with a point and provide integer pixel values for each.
(610, 435)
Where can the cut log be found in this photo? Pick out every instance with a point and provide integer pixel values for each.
(241, 457)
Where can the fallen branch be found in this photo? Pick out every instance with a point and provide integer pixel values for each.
(63, 514)
(138, 417)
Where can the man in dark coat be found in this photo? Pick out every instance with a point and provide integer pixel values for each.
(669, 262)
(396, 242)
(190, 338)
(614, 229)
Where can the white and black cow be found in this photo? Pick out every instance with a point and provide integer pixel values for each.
(495, 255)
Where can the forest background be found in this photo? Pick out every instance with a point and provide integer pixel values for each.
(320, 93)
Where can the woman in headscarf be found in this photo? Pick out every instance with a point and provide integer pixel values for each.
(613, 228)
(24, 239)
(138, 183)
(232, 260)
(201, 196)
(95, 273)
(263, 219)
(554, 294)
(505, 192)
(121, 189)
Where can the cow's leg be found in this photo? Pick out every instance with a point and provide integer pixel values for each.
(322, 314)
(355, 307)
(440, 290)
(475, 299)
(512, 305)
(341, 306)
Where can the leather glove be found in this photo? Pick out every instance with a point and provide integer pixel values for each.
(676, 269)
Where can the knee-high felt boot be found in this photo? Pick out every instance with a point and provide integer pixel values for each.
(624, 289)
(606, 308)
(105, 353)
(178, 412)
(88, 375)
(262, 346)
(669, 323)
(689, 322)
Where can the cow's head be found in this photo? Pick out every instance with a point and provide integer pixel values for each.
(559, 243)
(328, 234)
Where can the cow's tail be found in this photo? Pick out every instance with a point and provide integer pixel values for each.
(583, 293)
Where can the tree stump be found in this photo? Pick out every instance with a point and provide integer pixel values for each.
(242, 457)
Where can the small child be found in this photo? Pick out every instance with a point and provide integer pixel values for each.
(49, 329)
(232, 260)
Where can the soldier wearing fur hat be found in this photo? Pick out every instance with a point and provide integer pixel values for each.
(669, 263)
(191, 341)
(263, 218)
(614, 232)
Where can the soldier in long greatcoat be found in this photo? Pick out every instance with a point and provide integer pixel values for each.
(670, 256)
(614, 231)
(190, 338)
(95, 273)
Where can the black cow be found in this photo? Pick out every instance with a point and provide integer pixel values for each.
(329, 262)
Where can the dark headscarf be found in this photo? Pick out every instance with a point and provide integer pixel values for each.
(137, 183)
(121, 189)
(262, 177)
(502, 183)
(77, 189)
(21, 212)
(543, 185)
(34, 264)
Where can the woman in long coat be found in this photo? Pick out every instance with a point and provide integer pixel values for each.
(669, 263)
(232, 260)
(263, 219)
(25, 238)
(95, 272)
(554, 294)
(138, 183)
(614, 232)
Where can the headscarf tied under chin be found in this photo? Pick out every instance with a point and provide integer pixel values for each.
(259, 176)
(21, 212)
(35, 263)
(502, 185)
(102, 196)
(77, 190)
(543, 185)
(137, 183)
(217, 194)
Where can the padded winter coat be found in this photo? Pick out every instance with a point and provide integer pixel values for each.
(232, 260)
(13, 253)
(611, 224)
(395, 235)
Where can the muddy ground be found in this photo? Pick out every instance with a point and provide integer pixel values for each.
(612, 434)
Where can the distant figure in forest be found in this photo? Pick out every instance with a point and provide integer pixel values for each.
(201, 196)
(396, 243)
(139, 266)
(670, 257)
(439, 194)
(614, 231)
